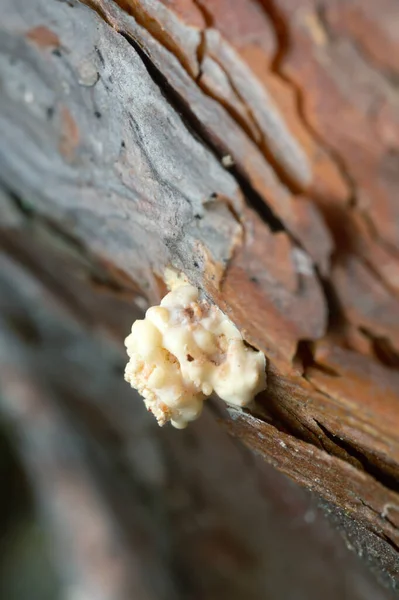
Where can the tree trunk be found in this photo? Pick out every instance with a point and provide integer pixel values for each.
(254, 146)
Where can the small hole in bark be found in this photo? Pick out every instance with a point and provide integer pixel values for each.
(196, 265)
(50, 112)
(56, 52)
(97, 114)
(190, 358)
(197, 216)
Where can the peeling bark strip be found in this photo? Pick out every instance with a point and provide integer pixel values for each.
(115, 142)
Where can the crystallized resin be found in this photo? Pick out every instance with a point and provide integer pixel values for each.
(186, 349)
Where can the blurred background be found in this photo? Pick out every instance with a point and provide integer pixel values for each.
(99, 503)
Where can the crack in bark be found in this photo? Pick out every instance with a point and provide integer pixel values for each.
(262, 144)
(158, 32)
(388, 481)
(312, 438)
(234, 114)
(283, 39)
(254, 199)
(282, 175)
(283, 47)
(357, 456)
(381, 516)
(208, 19)
(383, 535)
(284, 43)
(199, 132)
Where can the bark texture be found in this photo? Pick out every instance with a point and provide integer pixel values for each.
(253, 145)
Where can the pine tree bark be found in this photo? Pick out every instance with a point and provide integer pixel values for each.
(254, 146)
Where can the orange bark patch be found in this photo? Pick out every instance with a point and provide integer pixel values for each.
(70, 135)
(43, 37)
